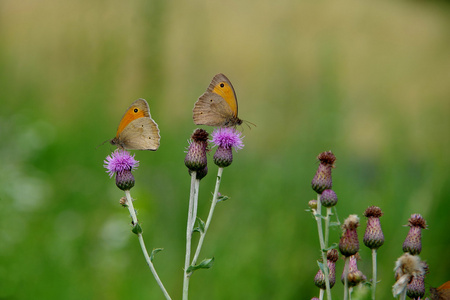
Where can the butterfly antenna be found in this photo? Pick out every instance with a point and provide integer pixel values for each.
(101, 144)
(248, 123)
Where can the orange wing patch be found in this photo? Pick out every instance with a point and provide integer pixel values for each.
(226, 91)
(130, 115)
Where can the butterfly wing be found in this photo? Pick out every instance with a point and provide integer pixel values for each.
(140, 134)
(218, 105)
(138, 109)
(137, 130)
(211, 109)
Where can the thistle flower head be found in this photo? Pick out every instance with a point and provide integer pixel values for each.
(373, 237)
(416, 288)
(407, 266)
(413, 241)
(319, 279)
(196, 159)
(121, 163)
(349, 244)
(328, 198)
(226, 138)
(118, 161)
(322, 180)
(354, 276)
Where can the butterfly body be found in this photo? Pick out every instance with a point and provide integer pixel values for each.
(218, 105)
(137, 130)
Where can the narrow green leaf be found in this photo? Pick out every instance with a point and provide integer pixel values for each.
(333, 246)
(205, 264)
(201, 225)
(222, 198)
(156, 250)
(137, 229)
(322, 266)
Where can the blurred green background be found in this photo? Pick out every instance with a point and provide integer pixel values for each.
(368, 80)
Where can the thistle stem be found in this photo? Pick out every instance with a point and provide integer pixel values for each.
(374, 272)
(346, 268)
(403, 294)
(192, 211)
(321, 291)
(322, 247)
(327, 226)
(208, 221)
(141, 242)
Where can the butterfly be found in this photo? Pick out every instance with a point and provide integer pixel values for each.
(137, 130)
(441, 293)
(218, 105)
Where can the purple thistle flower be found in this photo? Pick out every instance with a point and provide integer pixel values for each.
(121, 163)
(226, 139)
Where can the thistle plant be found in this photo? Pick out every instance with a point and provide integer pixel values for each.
(321, 182)
(226, 139)
(120, 164)
(373, 239)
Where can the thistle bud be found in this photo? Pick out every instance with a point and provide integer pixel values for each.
(349, 244)
(200, 173)
(196, 159)
(373, 237)
(416, 288)
(328, 198)
(413, 241)
(354, 276)
(312, 204)
(322, 180)
(319, 279)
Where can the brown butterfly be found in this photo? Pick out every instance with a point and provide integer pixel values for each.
(137, 130)
(441, 293)
(218, 105)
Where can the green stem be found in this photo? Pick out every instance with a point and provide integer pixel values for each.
(321, 291)
(327, 226)
(322, 247)
(193, 196)
(208, 221)
(374, 272)
(346, 268)
(141, 242)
